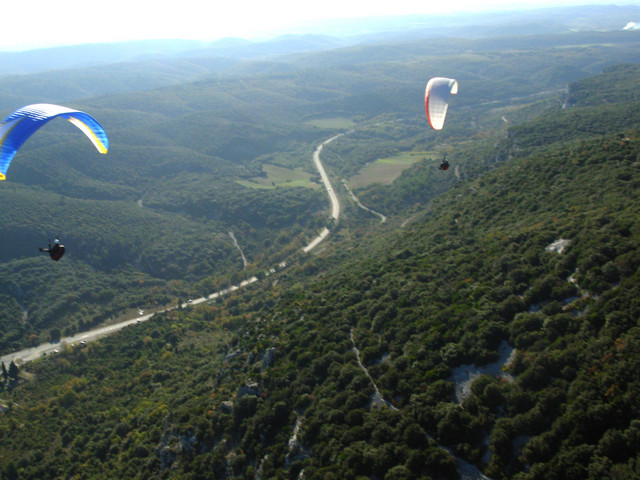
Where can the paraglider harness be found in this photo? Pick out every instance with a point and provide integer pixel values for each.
(56, 251)
(444, 165)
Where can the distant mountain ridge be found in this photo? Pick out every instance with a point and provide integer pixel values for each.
(328, 34)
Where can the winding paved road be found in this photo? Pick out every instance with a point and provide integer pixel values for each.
(335, 204)
(363, 207)
(30, 354)
(27, 355)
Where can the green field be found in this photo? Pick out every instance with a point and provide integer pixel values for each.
(280, 177)
(386, 170)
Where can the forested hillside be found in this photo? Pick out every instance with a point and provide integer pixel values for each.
(149, 224)
(348, 364)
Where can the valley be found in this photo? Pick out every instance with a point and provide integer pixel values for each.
(290, 312)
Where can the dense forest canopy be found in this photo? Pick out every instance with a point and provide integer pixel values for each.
(190, 161)
(347, 363)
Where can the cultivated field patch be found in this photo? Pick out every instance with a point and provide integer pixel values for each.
(386, 170)
(277, 176)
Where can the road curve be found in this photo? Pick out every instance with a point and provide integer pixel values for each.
(30, 354)
(335, 204)
(363, 207)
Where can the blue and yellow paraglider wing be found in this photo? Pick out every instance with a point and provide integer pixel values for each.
(91, 129)
(12, 136)
(21, 124)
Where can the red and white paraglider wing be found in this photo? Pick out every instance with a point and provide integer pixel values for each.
(436, 100)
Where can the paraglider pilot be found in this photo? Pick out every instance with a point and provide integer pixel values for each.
(444, 165)
(55, 250)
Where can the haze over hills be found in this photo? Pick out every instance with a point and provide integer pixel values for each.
(342, 365)
(329, 34)
(83, 71)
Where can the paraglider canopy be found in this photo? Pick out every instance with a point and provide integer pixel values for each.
(436, 99)
(21, 124)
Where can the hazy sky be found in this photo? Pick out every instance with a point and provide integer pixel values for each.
(39, 23)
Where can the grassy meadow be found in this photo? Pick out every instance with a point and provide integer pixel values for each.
(276, 176)
(385, 170)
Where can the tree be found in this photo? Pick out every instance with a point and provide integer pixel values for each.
(55, 334)
(11, 471)
(399, 472)
(13, 370)
(5, 374)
